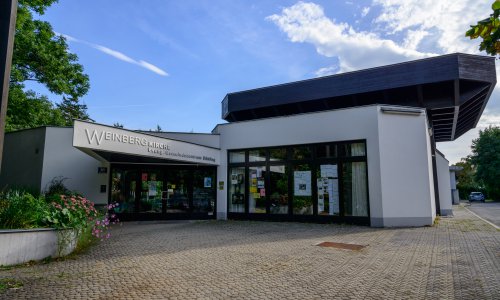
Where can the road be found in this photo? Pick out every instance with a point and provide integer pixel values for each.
(489, 210)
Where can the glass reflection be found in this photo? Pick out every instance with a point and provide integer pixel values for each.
(302, 190)
(257, 190)
(278, 189)
(237, 190)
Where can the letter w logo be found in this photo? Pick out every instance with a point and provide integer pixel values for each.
(94, 136)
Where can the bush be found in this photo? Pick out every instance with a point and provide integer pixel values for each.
(70, 212)
(21, 210)
(57, 187)
(465, 190)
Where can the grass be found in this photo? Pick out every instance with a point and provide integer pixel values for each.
(9, 283)
(85, 242)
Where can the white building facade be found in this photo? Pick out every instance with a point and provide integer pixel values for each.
(351, 148)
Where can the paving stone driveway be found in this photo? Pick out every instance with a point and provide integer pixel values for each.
(458, 258)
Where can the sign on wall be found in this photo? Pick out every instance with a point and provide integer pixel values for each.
(94, 136)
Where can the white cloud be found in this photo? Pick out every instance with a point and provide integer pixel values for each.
(327, 71)
(152, 68)
(114, 53)
(307, 23)
(118, 55)
(365, 11)
(413, 38)
(403, 29)
(450, 18)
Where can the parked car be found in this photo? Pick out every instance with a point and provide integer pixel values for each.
(476, 196)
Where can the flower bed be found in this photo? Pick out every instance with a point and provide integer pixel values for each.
(22, 245)
(63, 219)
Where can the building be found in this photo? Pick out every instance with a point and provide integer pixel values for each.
(357, 147)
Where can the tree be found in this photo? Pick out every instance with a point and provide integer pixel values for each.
(41, 55)
(488, 31)
(466, 176)
(466, 182)
(71, 109)
(118, 125)
(486, 158)
(28, 110)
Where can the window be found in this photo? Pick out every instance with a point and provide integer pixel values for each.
(354, 149)
(302, 190)
(237, 189)
(257, 155)
(278, 154)
(256, 190)
(151, 192)
(203, 191)
(278, 189)
(326, 151)
(302, 152)
(123, 187)
(237, 156)
(323, 181)
(328, 190)
(355, 189)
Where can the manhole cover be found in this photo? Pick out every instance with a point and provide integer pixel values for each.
(341, 246)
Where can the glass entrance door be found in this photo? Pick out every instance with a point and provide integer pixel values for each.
(149, 192)
(123, 189)
(151, 187)
(203, 192)
(178, 189)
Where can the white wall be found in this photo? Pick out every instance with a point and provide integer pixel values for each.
(405, 170)
(80, 169)
(443, 174)
(398, 155)
(338, 125)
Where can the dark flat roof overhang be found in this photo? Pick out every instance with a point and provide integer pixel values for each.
(454, 89)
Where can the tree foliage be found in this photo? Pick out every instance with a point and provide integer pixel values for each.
(488, 31)
(466, 175)
(42, 56)
(466, 182)
(486, 159)
(28, 110)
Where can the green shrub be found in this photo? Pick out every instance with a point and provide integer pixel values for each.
(70, 212)
(21, 210)
(57, 187)
(465, 190)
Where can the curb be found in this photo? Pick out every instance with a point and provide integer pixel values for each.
(481, 218)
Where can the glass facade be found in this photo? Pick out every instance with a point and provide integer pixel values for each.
(325, 181)
(278, 189)
(237, 189)
(163, 191)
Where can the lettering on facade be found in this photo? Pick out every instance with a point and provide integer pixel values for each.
(97, 137)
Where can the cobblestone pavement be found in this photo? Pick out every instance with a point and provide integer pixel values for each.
(458, 258)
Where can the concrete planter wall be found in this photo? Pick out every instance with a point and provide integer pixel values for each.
(22, 245)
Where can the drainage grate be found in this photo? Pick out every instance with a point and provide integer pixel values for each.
(341, 246)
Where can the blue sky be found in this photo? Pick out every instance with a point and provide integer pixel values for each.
(171, 62)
